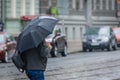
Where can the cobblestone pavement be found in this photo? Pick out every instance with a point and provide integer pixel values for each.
(96, 71)
(90, 66)
(80, 66)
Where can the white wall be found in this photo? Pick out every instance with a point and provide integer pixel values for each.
(76, 25)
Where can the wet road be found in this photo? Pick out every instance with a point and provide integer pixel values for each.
(97, 65)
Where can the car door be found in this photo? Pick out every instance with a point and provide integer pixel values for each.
(60, 41)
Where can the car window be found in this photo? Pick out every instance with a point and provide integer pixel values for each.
(97, 31)
(57, 29)
(104, 31)
(91, 31)
(2, 39)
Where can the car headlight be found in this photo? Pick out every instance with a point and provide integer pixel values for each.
(105, 39)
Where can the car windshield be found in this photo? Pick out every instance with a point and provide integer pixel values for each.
(2, 39)
(97, 31)
(117, 31)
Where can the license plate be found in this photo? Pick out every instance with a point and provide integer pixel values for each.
(94, 44)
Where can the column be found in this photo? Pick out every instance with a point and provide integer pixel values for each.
(13, 8)
(73, 4)
(49, 3)
(32, 7)
(101, 4)
(113, 4)
(81, 4)
(88, 13)
(23, 9)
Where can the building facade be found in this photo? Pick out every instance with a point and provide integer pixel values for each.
(72, 14)
(13, 10)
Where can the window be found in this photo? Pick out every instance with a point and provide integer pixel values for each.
(54, 2)
(43, 6)
(110, 5)
(27, 3)
(104, 4)
(18, 8)
(8, 8)
(97, 4)
(94, 4)
(77, 4)
(70, 4)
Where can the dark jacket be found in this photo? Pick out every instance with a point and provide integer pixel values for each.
(34, 60)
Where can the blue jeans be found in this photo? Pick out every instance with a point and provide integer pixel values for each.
(35, 74)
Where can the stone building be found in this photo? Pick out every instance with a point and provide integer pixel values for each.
(13, 10)
(74, 13)
(71, 12)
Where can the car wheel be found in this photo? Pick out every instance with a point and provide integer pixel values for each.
(90, 50)
(64, 53)
(84, 49)
(102, 49)
(54, 52)
(109, 47)
(6, 58)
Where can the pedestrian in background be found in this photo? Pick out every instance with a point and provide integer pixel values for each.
(52, 11)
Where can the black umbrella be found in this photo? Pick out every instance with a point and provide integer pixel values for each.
(35, 32)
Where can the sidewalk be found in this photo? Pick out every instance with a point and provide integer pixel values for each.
(74, 46)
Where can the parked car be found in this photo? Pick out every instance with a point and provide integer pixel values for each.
(7, 46)
(58, 42)
(99, 38)
(117, 34)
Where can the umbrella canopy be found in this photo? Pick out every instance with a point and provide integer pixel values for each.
(35, 32)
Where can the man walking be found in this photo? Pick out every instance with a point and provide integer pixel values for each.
(36, 62)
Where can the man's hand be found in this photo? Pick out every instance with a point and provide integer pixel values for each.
(48, 45)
